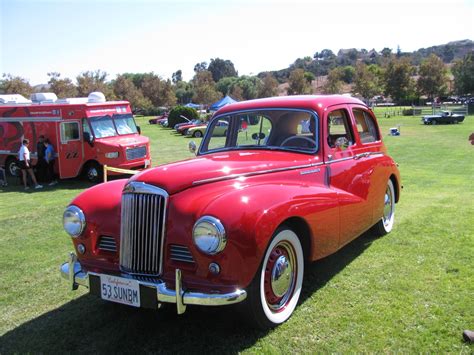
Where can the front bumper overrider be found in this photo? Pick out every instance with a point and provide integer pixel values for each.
(73, 272)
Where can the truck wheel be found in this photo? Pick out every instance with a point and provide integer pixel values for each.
(12, 167)
(93, 172)
(197, 134)
(274, 293)
(385, 224)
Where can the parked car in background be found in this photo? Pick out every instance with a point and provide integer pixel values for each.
(158, 119)
(220, 129)
(194, 123)
(239, 222)
(444, 117)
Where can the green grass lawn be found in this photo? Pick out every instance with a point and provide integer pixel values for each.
(411, 291)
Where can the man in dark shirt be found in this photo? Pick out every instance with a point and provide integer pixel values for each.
(41, 163)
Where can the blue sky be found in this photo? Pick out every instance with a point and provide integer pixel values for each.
(116, 36)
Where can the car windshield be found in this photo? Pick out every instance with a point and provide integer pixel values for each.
(275, 129)
(125, 124)
(106, 126)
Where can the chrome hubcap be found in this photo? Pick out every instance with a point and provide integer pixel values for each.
(281, 276)
(388, 207)
(92, 173)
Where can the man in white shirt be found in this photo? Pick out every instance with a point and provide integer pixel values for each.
(25, 165)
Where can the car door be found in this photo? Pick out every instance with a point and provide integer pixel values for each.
(70, 151)
(345, 173)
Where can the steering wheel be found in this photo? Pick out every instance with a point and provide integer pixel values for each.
(311, 141)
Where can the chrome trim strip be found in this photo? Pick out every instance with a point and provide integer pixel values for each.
(254, 173)
(163, 293)
(357, 156)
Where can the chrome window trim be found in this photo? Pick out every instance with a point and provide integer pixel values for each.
(225, 149)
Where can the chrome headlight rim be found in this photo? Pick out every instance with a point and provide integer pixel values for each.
(219, 233)
(75, 211)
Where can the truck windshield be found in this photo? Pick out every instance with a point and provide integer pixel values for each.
(108, 126)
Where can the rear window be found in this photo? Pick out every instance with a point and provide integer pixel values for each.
(366, 126)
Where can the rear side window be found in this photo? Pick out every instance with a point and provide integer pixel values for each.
(366, 126)
(339, 127)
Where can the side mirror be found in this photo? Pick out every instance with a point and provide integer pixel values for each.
(88, 138)
(192, 147)
(139, 130)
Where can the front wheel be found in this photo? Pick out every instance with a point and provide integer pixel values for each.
(275, 290)
(93, 172)
(385, 224)
(197, 134)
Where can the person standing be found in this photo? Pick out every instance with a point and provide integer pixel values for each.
(49, 157)
(25, 165)
(41, 163)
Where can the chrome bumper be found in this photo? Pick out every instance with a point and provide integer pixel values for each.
(72, 271)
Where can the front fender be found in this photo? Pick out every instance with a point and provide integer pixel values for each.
(250, 215)
(101, 205)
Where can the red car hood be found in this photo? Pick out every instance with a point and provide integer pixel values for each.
(178, 176)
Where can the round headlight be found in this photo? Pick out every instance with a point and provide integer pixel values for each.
(209, 235)
(74, 221)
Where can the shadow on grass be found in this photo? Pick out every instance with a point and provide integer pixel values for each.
(89, 325)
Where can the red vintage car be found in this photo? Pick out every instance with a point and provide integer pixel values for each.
(293, 180)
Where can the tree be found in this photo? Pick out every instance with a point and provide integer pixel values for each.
(333, 84)
(397, 79)
(90, 81)
(221, 68)
(386, 52)
(463, 72)
(366, 82)
(15, 85)
(298, 85)
(269, 86)
(432, 77)
(124, 89)
(204, 86)
(158, 91)
(225, 85)
(61, 87)
(249, 86)
(200, 67)
(184, 92)
(177, 76)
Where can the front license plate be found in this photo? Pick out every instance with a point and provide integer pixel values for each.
(120, 290)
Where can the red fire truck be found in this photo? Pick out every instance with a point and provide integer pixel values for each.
(86, 133)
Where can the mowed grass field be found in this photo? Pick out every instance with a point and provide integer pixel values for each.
(410, 291)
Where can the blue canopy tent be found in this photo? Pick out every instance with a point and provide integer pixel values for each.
(221, 103)
(196, 106)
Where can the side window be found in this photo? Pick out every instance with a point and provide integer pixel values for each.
(69, 131)
(366, 126)
(219, 131)
(85, 126)
(339, 128)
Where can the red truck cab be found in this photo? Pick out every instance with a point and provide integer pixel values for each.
(86, 133)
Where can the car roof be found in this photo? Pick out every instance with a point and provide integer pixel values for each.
(312, 102)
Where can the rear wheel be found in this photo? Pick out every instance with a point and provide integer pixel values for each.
(12, 167)
(385, 224)
(275, 290)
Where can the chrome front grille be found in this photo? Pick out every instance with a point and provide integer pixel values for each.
(142, 229)
(181, 253)
(107, 243)
(136, 153)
